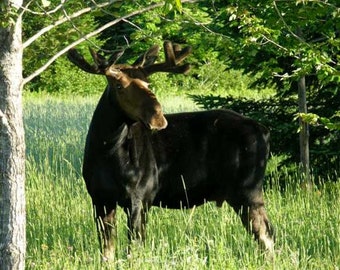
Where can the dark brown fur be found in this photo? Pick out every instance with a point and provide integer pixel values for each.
(195, 157)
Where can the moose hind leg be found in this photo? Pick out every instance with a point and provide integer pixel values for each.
(106, 229)
(255, 220)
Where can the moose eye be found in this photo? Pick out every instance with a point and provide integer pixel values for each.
(119, 86)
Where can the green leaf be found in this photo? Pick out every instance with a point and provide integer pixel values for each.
(178, 5)
(45, 3)
(171, 4)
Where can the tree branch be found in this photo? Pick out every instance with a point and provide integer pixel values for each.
(73, 24)
(26, 9)
(273, 42)
(61, 21)
(87, 36)
(286, 25)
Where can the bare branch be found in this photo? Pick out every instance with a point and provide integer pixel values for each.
(26, 9)
(273, 42)
(282, 76)
(200, 24)
(131, 23)
(286, 25)
(277, 45)
(99, 30)
(61, 21)
(74, 25)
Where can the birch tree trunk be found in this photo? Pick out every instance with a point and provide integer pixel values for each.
(12, 142)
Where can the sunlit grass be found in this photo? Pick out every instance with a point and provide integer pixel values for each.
(61, 232)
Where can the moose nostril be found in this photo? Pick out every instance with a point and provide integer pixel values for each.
(159, 123)
(165, 123)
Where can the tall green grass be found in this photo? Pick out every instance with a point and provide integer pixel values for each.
(61, 232)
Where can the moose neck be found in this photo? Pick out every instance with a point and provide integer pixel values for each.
(107, 118)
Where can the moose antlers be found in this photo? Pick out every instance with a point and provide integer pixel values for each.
(174, 55)
(100, 63)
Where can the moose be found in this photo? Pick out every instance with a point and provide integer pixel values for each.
(136, 157)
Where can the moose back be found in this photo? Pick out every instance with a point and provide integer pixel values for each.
(136, 157)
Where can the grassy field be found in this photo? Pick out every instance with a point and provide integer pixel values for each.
(61, 233)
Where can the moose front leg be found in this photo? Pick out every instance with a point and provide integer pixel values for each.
(136, 218)
(106, 229)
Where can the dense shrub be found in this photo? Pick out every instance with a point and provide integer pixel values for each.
(65, 78)
(203, 79)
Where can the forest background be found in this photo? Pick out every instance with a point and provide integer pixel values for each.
(247, 56)
(275, 61)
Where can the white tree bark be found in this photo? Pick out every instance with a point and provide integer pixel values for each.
(12, 142)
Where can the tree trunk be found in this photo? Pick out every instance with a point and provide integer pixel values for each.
(12, 142)
(304, 132)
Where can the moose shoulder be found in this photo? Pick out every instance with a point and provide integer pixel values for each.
(137, 157)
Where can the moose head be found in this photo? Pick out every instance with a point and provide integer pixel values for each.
(128, 84)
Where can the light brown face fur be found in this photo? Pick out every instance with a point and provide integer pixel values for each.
(135, 97)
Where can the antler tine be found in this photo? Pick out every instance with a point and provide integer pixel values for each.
(173, 56)
(114, 57)
(76, 58)
(100, 62)
(181, 54)
(148, 58)
(169, 54)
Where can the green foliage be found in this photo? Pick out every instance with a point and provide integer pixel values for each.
(274, 42)
(277, 42)
(316, 120)
(8, 14)
(164, 23)
(209, 78)
(65, 78)
(286, 39)
(61, 231)
(47, 45)
(280, 41)
(266, 38)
